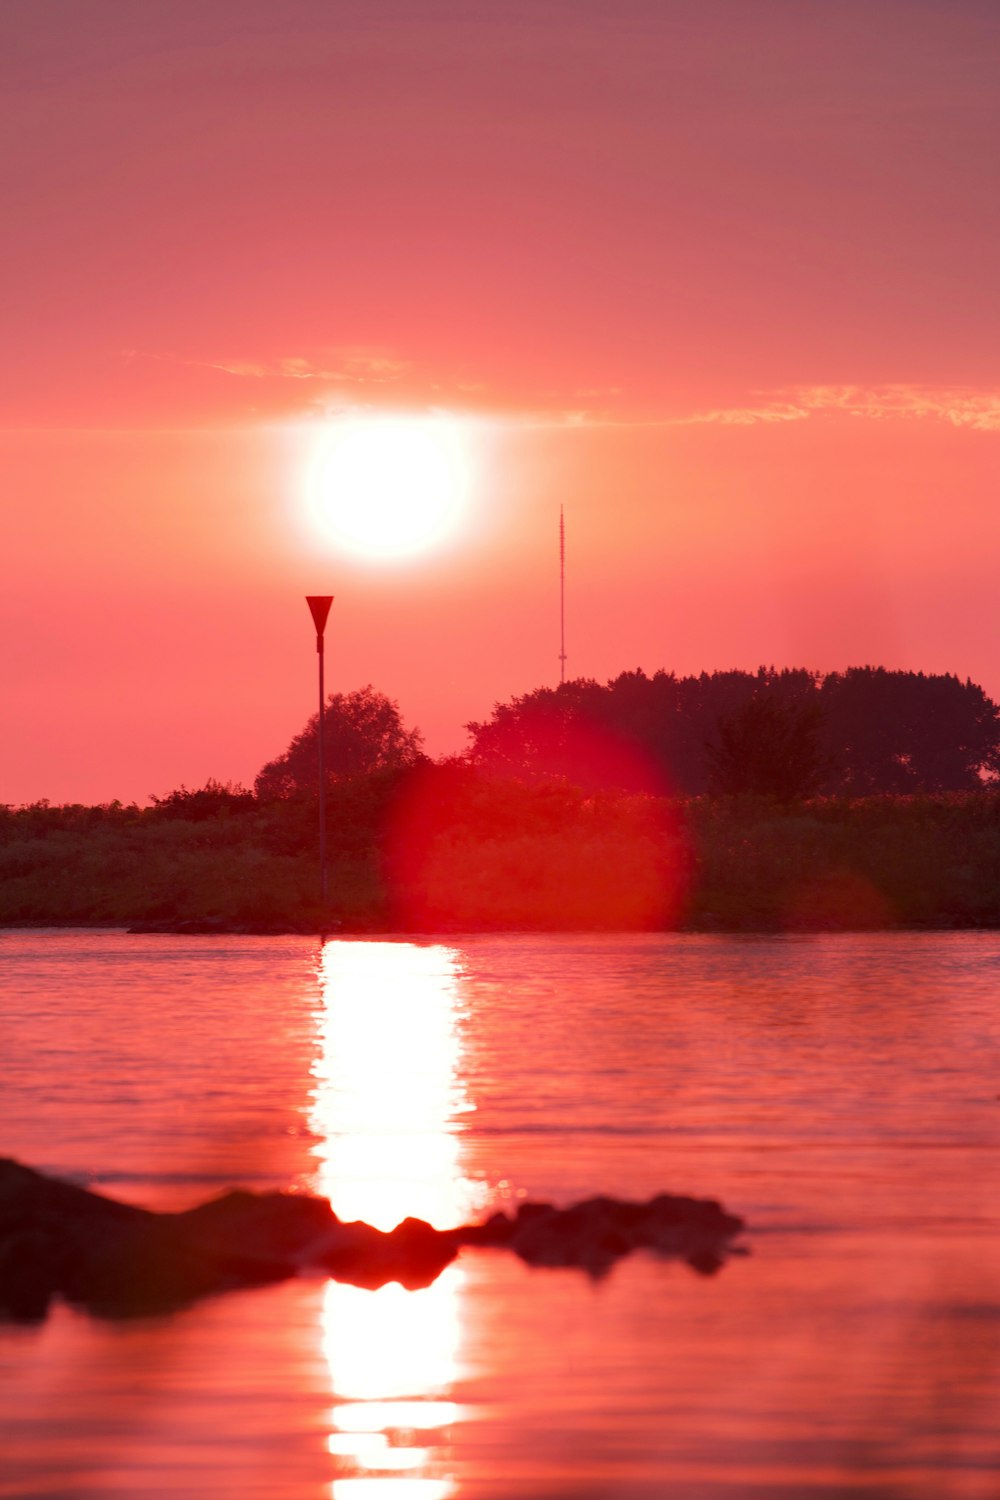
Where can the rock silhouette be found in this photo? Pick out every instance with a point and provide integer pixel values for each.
(117, 1260)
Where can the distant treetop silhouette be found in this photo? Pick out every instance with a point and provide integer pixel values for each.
(789, 733)
(364, 732)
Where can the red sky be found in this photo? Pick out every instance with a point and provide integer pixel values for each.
(717, 275)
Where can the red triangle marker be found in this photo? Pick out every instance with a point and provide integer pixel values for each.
(319, 608)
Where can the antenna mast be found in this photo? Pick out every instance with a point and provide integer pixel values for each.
(562, 596)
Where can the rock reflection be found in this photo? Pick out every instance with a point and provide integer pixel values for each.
(386, 1113)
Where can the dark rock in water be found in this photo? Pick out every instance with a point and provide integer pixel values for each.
(118, 1260)
(596, 1233)
(109, 1257)
(414, 1254)
(27, 1276)
(284, 1225)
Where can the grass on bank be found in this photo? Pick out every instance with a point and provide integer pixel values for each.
(447, 849)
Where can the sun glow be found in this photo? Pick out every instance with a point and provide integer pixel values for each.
(388, 487)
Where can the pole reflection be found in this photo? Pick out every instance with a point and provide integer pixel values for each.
(386, 1113)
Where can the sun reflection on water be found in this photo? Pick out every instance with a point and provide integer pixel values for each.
(386, 1113)
(388, 1096)
(388, 1346)
(392, 1489)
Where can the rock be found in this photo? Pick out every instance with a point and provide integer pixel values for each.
(414, 1254)
(496, 1230)
(596, 1233)
(277, 1224)
(117, 1260)
(112, 1257)
(27, 1276)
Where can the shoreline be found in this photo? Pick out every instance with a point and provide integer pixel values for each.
(212, 927)
(512, 859)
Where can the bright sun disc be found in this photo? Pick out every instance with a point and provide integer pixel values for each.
(388, 486)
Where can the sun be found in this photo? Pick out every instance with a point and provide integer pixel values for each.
(388, 487)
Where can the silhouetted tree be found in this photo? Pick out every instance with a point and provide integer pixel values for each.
(875, 730)
(364, 733)
(572, 733)
(909, 732)
(768, 749)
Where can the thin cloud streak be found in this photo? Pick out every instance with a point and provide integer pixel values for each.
(964, 407)
(351, 366)
(958, 406)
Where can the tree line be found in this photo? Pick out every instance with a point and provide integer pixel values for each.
(546, 821)
(787, 734)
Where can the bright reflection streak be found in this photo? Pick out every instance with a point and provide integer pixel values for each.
(386, 1349)
(388, 1094)
(354, 1443)
(391, 1345)
(372, 1416)
(397, 1458)
(392, 1489)
(386, 1106)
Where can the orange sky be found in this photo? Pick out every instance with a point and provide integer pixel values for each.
(718, 275)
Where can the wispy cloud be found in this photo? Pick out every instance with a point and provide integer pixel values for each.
(742, 416)
(958, 406)
(340, 366)
(344, 378)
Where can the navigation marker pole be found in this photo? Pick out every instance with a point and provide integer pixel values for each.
(319, 608)
(562, 597)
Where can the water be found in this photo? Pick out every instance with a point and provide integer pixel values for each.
(842, 1093)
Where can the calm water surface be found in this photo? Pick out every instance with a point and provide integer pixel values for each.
(842, 1093)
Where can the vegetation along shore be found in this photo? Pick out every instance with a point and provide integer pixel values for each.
(730, 802)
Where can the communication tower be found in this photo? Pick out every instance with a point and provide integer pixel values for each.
(562, 596)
